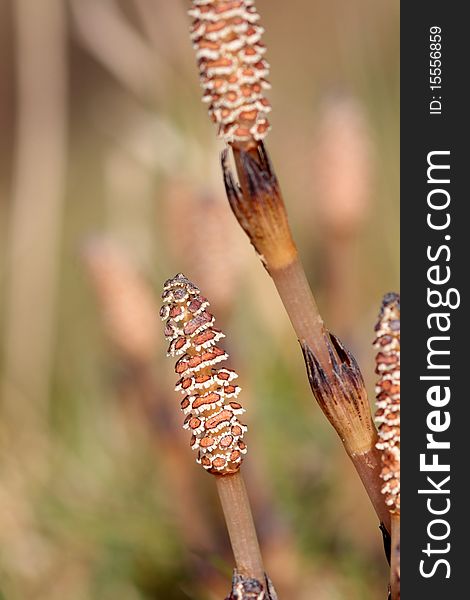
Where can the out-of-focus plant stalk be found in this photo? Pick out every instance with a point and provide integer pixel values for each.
(34, 234)
(342, 183)
(118, 45)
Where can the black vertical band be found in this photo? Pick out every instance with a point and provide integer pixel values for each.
(435, 268)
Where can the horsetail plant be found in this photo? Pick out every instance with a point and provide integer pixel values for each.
(212, 414)
(343, 400)
(387, 415)
(227, 38)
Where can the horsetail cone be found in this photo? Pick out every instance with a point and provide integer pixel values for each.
(226, 36)
(209, 401)
(387, 343)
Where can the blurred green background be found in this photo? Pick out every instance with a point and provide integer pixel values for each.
(109, 184)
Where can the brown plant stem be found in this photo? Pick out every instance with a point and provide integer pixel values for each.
(368, 467)
(395, 558)
(240, 526)
(343, 399)
(334, 376)
(295, 293)
(264, 219)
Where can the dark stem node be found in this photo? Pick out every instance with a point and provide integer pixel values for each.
(247, 588)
